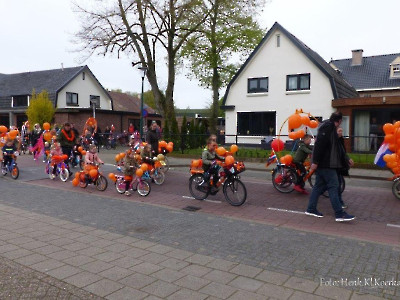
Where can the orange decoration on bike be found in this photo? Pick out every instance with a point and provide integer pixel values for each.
(294, 121)
(221, 151)
(80, 149)
(77, 175)
(64, 157)
(83, 152)
(170, 148)
(46, 126)
(144, 167)
(293, 135)
(195, 163)
(13, 134)
(388, 128)
(277, 145)
(93, 173)
(112, 177)
(162, 144)
(305, 120)
(3, 129)
(117, 157)
(139, 172)
(75, 182)
(313, 124)
(234, 148)
(47, 136)
(229, 160)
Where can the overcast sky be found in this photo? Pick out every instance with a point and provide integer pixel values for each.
(36, 35)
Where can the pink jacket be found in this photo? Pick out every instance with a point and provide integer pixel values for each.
(91, 158)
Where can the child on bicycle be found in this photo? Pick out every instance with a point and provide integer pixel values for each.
(56, 155)
(146, 154)
(209, 158)
(130, 166)
(91, 159)
(304, 150)
(8, 150)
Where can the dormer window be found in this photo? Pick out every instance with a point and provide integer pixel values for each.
(395, 68)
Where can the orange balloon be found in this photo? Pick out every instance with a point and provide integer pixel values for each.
(283, 160)
(305, 120)
(77, 175)
(293, 135)
(171, 144)
(3, 129)
(47, 136)
(288, 159)
(170, 148)
(294, 121)
(162, 144)
(229, 160)
(80, 148)
(139, 172)
(46, 126)
(313, 124)
(200, 163)
(83, 152)
(112, 177)
(234, 148)
(389, 138)
(300, 134)
(122, 155)
(64, 157)
(392, 147)
(396, 124)
(144, 167)
(221, 151)
(93, 173)
(388, 128)
(117, 157)
(195, 163)
(75, 182)
(13, 134)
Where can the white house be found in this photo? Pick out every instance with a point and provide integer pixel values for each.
(280, 75)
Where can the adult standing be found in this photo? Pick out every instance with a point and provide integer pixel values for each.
(327, 159)
(131, 129)
(35, 140)
(152, 137)
(344, 171)
(67, 140)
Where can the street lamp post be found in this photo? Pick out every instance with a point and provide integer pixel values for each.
(143, 69)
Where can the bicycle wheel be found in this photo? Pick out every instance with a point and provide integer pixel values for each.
(143, 188)
(120, 185)
(158, 176)
(396, 188)
(284, 179)
(198, 187)
(101, 183)
(235, 192)
(64, 175)
(15, 172)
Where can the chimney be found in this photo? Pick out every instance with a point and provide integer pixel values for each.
(62, 66)
(356, 59)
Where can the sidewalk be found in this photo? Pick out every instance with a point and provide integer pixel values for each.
(64, 260)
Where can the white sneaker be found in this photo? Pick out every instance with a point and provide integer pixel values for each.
(53, 176)
(127, 193)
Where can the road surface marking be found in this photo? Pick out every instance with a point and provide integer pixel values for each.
(286, 210)
(393, 225)
(207, 200)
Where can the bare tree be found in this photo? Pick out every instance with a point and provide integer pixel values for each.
(142, 29)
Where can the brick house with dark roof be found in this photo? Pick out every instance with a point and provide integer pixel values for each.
(377, 80)
(75, 92)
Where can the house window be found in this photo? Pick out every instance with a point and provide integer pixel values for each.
(256, 123)
(278, 40)
(257, 85)
(298, 82)
(72, 99)
(20, 101)
(396, 70)
(95, 100)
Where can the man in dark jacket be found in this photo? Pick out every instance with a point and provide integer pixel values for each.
(327, 159)
(152, 138)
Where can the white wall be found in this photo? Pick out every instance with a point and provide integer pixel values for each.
(275, 63)
(84, 88)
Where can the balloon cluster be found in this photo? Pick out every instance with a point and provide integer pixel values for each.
(47, 136)
(297, 123)
(221, 151)
(392, 138)
(4, 135)
(164, 147)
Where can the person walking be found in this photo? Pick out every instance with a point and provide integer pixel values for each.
(152, 137)
(67, 140)
(328, 157)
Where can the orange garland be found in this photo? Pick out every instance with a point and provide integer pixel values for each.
(66, 136)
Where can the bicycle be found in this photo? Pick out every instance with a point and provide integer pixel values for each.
(201, 183)
(155, 172)
(57, 168)
(137, 184)
(94, 177)
(75, 158)
(11, 166)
